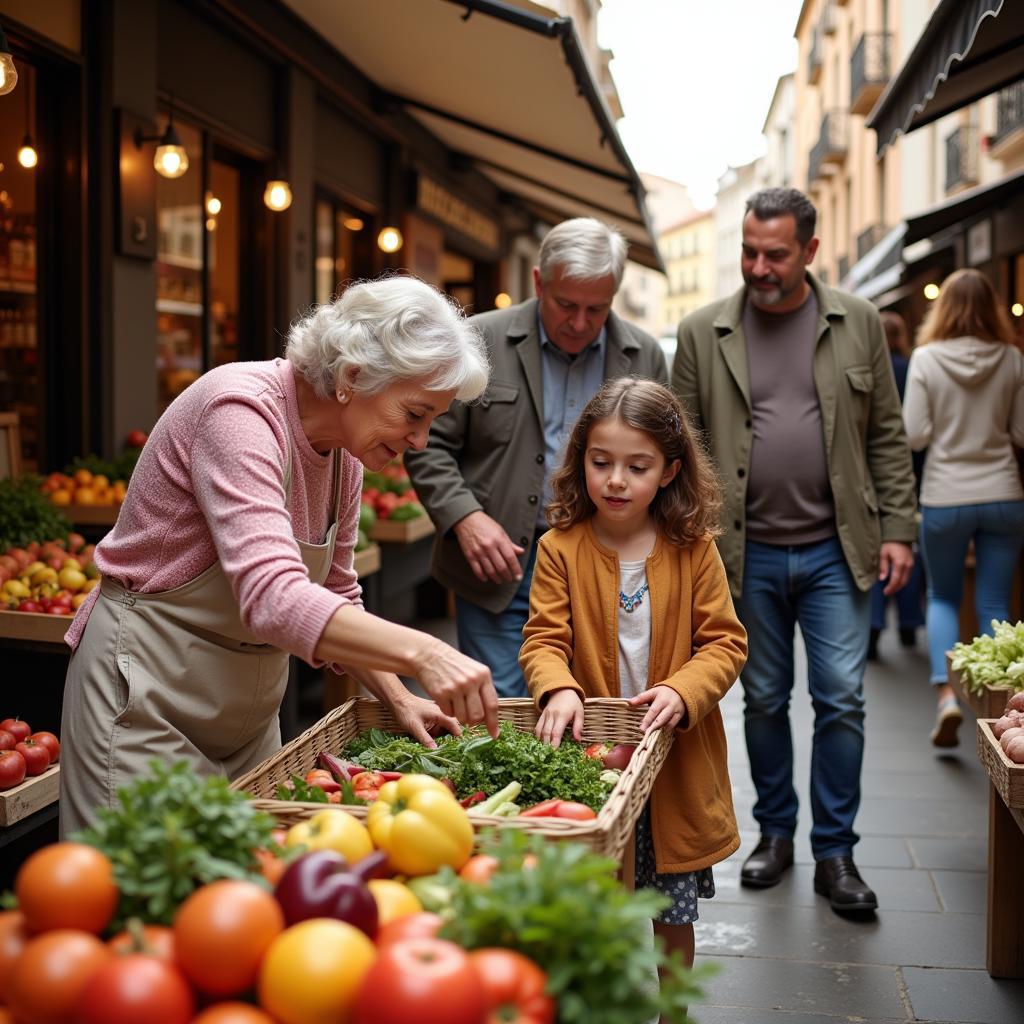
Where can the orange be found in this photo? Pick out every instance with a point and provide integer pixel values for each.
(85, 496)
(61, 496)
(83, 476)
(119, 490)
(99, 481)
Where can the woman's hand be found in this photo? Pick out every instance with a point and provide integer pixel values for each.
(562, 707)
(666, 709)
(421, 719)
(461, 686)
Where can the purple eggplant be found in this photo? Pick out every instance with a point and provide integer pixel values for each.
(323, 884)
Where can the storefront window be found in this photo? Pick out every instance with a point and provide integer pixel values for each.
(223, 205)
(21, 388)
(344, 248)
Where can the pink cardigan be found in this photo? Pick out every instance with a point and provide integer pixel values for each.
(210, 485)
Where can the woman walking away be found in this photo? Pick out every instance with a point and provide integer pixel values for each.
(964, 402)
(630, 599)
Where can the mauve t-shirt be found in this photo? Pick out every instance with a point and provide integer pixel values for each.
(789, 500)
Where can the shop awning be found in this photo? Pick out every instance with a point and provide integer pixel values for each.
(505, 84)
(880, 260)
(962, 207)
(968, 49)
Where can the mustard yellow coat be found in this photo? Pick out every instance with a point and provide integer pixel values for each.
(697, 647)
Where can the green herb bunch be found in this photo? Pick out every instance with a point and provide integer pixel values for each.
(570, 915)
(172, 832)
(27, 515)
(120, 468)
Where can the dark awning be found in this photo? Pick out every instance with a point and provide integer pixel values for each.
(962, 207)
(968, 49)
(505, 83)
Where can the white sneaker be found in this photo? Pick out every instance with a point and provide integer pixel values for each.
(946, 724)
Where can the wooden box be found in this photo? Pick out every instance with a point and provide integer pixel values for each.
(34, 627)
(32, 795)
(91, 515)
(990, 703)
(1006, 776)
(405, 531)
(367, 561)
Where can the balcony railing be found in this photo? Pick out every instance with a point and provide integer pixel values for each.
(814, 59)
(961, 158)
(829, 21)
(870, 68)
(869, 238)
(843, 265)
(830, 149)
(1009, 134)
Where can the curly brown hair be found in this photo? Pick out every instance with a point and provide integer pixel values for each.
(685, 509)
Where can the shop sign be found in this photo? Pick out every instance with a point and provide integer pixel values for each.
(979, 243)
(454, 212)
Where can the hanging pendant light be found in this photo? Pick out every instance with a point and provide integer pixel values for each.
(27, 155)
(8, 72)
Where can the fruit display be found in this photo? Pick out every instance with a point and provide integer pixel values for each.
(26, 516)
(336, 933)
(24, 753)
(390, 495)
(92, 480)
(52, 578)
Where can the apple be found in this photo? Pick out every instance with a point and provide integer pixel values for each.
(48, 740)
(136, 439)
(16, 727)
(37, 757)
(7, 741)
(12, 769)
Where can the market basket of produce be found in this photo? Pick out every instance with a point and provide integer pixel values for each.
(592, 792)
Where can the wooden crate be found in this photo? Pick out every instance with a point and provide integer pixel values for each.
(606, 719)
(405, 531)
(1006, 776)
(91, 515)
(34, 627)
(990, 703)
(367, 561)
(32, 795)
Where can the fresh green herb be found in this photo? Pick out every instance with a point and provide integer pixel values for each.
(171, 832)
(378, 750)
(348, 794)
(996, 660)
(302, 791)
(26, 514)
(571, 915)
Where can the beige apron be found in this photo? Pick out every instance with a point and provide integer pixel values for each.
(174, 676)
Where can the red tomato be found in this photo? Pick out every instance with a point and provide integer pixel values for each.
(37, 757)
(47, 981)
(420, 979)
(16, 727)
(66, 885)
(221, 933)
(513, 987)
(13, 938)
(136, 439)
(479, 868)
(30, 606)
(135, 989)
(232, 1013)
(155, 940)
(12, 769)
(423, 925)
(52, 744)
(7, 741)
(569, 809)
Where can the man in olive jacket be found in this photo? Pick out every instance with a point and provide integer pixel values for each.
(483, 476)
(792, 385)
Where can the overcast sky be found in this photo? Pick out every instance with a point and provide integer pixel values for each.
(695, 78)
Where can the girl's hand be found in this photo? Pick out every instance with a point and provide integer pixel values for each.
(563, 707)
(666, 709)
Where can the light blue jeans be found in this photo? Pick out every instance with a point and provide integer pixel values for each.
(809, 585)
(997, 529)
(494, 638)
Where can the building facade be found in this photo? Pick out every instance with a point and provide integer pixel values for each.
(688, 249)
(734, 188)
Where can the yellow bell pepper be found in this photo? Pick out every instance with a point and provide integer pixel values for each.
(420, 825)
(332, 829)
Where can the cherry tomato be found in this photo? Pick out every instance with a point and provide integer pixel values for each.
(514, 987)
(156, 940)
(52, 744)
(13, 939)
(423, 925)
(37, 757)
(46, 982)
(479, 868)
(420, 979)
(66, 885)
(16, 727)
(233, 1013)
(135, 989)
(12, 769)
(221, 933)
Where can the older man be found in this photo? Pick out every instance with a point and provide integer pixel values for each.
(484, 474)
(791, 381)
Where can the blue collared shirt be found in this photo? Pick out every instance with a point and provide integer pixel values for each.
(569, 383)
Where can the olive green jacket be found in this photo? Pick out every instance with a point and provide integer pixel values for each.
(869, 465)
(489, 454)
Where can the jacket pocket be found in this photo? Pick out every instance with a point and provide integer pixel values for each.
(860, 379)
(870, 499)
(494, 415)
(123, 682)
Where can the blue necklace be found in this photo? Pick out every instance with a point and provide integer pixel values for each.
(632, 601)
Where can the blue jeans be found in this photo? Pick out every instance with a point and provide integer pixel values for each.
(811, 586)
(494, 638)
(997, 529)
(909, 603)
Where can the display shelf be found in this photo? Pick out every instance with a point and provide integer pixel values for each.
(179, 307)
(406, 531)
(91, 515)
(32, 795)
(1006, 775)
(34, 627)
(989, 703)
(17, 287)
(367, 561)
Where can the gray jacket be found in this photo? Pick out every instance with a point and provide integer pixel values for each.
(489, 455)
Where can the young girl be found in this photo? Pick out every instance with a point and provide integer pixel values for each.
(630, 599)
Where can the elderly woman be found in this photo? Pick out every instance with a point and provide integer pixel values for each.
(233, 549)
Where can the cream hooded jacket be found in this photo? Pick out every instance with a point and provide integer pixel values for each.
(965, 403)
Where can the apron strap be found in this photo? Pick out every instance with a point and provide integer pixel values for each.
(335, 486)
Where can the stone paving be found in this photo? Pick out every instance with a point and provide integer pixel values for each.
(786, 958)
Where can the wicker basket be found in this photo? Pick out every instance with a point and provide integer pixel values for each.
(1006, 776)
(605, 720)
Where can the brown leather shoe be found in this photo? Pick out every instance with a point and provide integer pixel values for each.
(765, 866)
(838, 879)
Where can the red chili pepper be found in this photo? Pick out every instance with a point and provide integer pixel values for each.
(476, 798)
(545, 809)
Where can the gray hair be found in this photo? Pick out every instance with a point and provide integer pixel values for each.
(585, 249)
(396, 328)
(785, 202)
